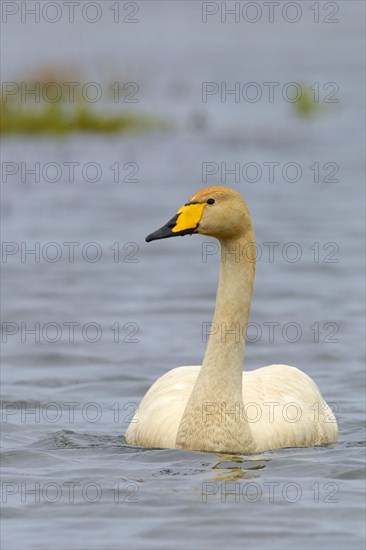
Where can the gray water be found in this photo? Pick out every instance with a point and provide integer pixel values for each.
(69, 480)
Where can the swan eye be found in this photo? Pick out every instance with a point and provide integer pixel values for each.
(210, 201)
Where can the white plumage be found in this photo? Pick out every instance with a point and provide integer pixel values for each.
(284, 408)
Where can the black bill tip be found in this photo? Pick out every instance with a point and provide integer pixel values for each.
(164, 232)
(150, 238)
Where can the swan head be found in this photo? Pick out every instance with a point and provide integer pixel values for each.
(214, 211)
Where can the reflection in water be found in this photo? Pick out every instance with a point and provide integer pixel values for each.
(236, 467)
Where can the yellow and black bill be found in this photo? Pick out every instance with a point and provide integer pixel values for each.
(185, 222)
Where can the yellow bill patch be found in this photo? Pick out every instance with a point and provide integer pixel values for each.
(189, 217)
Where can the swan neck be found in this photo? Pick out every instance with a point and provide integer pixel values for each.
(225, 349)
(213, 418)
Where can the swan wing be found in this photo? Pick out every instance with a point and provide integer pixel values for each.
(157, 419)
(285, 408)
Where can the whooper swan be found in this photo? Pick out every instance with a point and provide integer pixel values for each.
(217, 407)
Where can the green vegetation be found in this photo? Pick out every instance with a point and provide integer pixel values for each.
(306, 106)
(58, 118)
(26, 107)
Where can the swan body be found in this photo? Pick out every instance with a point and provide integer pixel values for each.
(217, 407)
(279, 415)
